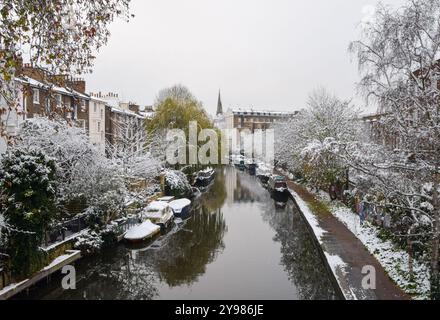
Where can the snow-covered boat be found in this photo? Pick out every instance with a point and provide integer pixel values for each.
(264, 174)
(144, 231)
(159, 212)
(204, 178)
(181, 208)
(278, 184)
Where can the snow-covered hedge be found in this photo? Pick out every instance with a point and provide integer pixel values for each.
(176, 184)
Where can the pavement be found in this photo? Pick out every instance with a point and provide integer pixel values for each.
(337, 241)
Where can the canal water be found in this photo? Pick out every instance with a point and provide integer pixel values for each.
(240, 243)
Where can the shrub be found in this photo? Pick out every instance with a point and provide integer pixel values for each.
(28, 191)
(176, 184)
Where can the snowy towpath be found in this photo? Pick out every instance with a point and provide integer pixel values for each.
(345, 253)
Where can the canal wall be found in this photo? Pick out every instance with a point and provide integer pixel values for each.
(320, 249)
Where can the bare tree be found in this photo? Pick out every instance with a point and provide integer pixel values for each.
(398, 59)
(131, 149)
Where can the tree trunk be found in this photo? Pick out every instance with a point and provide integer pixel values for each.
(435, 285)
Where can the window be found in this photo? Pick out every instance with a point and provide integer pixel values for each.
(75, 112)
(102, 113)
(58, 100)
(94, 107)
(36, 96)
(99, 126)
(82, 103)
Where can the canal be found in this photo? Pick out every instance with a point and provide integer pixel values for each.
(239, 244)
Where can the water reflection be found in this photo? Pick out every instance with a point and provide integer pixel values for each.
(240, 243)
(299, 255)
(186, 254)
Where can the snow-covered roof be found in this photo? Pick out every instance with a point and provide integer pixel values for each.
(49, 86)
(180, 204)
(147, 114)
(81, 95)
(207, 170)
(142, 231)
(126, 112)
(166, 199)
(157, 206)
(252, 111)
(94, 98)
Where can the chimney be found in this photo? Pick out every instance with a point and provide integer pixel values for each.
(34, 73)
(77, 84)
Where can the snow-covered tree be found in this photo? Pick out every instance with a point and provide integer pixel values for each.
(82, 171)
(132, 150)
(176, 184)
(304, 144)
(62, 36)
(27, 203)
(398, 56)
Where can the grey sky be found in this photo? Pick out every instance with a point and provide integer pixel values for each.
(261, 53)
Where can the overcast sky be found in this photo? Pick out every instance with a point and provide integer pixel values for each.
(267, 54)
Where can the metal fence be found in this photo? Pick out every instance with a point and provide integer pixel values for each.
(65, 230)
(126, 224)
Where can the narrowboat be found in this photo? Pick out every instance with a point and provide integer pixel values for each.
(278, 184)
(159, 212)
(181, 208)
(204, 178)
(144, 231)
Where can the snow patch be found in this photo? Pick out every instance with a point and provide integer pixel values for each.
(394, 260)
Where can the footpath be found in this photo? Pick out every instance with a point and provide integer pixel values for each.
(345, 254)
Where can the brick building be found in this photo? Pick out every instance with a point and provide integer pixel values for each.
(48, 95)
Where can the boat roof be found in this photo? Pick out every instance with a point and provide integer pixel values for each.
(141, 231)
(207, 170)
(166, 199)
(180, 203)
(157, 206)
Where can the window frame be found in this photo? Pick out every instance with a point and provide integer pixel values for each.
(35, 96)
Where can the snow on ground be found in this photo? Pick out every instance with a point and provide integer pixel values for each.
(335, 262)
(394, 260)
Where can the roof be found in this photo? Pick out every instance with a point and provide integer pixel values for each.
(50, 86)
(239, 111)
(147, 114)
(126, 112)
(180, 204)
(157, 206)
(94, 98)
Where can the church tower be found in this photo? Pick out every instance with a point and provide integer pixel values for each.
(219, 105)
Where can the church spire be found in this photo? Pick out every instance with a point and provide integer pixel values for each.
(219, 104)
